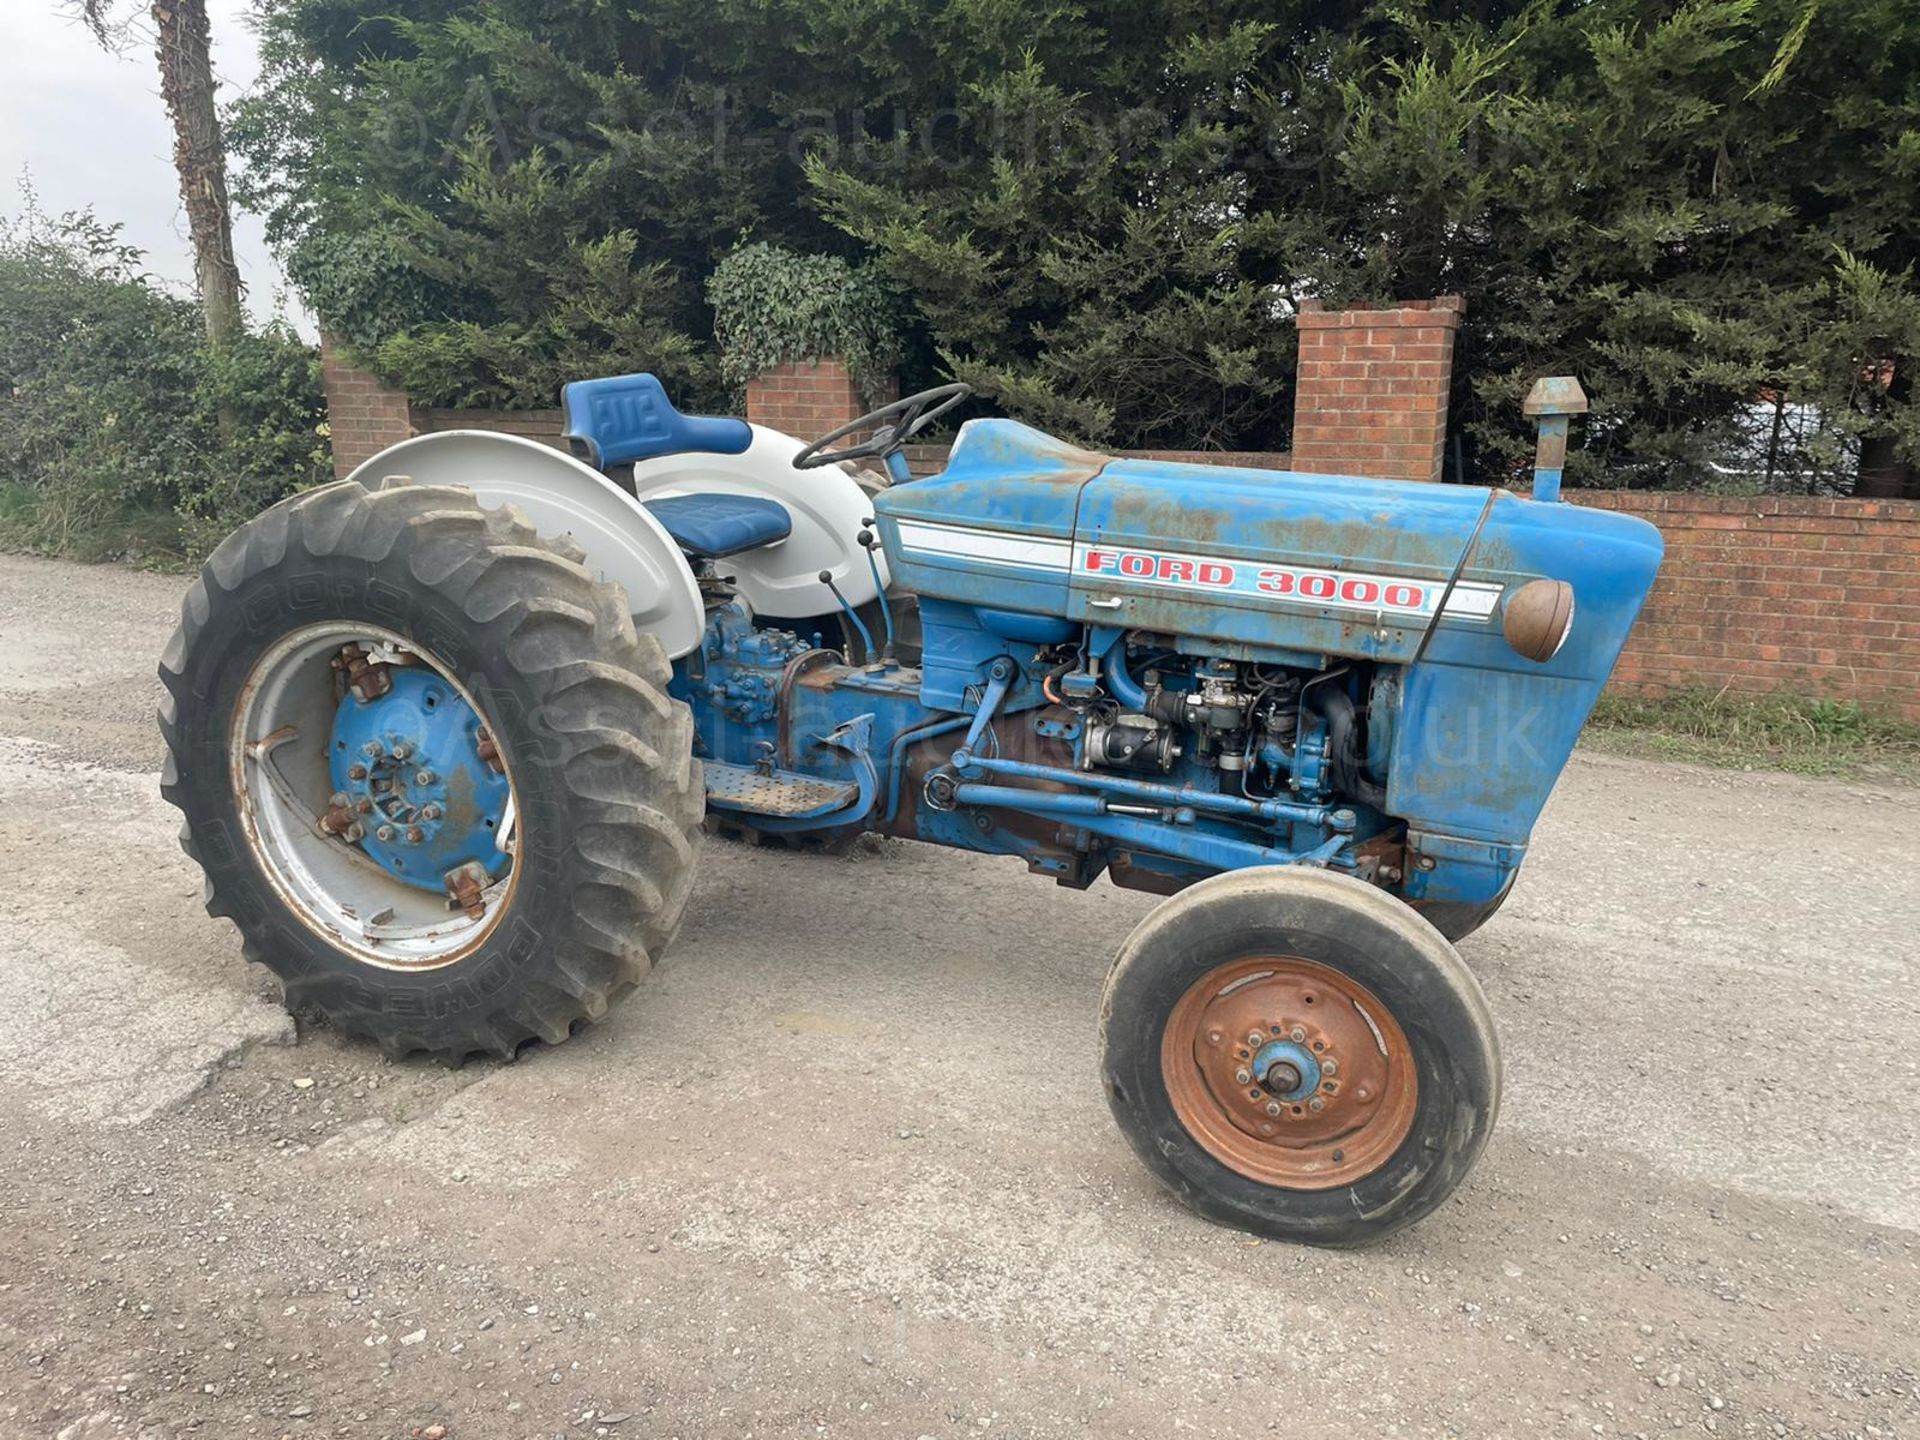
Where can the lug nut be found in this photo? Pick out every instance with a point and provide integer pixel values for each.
(1255, 1038)
(415, 834)
(1316, 1103)
(363, 805)
(356, 832)
(356, 772)
(402, 750)
(339, 800)
(1273, 1107)
(425, 777)
(384, 834)
(1244, 1077)
(371, 750)
(1297, 1035)
(1329, 1066)
(429, 812)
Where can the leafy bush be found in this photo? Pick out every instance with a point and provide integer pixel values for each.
(587, 307)
(368, 284)
(120, 431)
(772, 305)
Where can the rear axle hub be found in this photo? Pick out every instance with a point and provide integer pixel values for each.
(408, 766)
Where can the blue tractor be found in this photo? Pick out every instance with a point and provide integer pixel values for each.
(447, 735)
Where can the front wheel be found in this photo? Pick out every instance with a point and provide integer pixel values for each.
(1295, 1053)
(429, 769)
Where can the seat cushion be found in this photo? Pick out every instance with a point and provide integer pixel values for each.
(625, 418)
(712, 526)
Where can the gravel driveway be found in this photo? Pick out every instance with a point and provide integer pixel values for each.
(842, 1167)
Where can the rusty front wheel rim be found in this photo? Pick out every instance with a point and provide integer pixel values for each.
(1289, 1073)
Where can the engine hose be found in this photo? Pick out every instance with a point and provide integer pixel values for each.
(1335, 706)
(1051, 679)
(1118, 683)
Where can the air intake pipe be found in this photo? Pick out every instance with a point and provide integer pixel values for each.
(1335, 706)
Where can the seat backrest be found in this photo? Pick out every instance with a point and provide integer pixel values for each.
(625, 418)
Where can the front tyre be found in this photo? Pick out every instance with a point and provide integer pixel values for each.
(1297, 1054)
(428, 769)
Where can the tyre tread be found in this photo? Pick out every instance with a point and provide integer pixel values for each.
(643, 812)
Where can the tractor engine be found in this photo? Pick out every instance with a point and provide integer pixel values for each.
(1253, 729)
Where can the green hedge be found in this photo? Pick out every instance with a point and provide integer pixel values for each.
(121, 432)
(772, 305)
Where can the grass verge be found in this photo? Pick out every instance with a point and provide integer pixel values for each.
(1836, 738)
(147, 537)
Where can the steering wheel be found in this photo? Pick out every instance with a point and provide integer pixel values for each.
(892, 425)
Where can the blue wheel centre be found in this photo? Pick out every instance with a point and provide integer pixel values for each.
(408, 765)
(1287, 1053)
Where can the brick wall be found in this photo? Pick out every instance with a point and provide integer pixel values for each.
(1808, 597)
(542, 425)
(1372, 392)
(363, 416)
(806, 398)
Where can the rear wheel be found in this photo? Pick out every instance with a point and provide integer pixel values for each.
(429, 769)
(1295, 1053)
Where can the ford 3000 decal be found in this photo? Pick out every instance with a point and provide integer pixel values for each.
(1303, 585)
(1295, 584)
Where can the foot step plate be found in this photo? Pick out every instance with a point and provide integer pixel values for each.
(785, 792)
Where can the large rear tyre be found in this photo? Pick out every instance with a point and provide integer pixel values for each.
(429, 769)
(1295, 1053)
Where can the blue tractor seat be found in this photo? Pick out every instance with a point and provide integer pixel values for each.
(625, 418)
(710, 527)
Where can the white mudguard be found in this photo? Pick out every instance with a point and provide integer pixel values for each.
(561, 496)
(828, 508)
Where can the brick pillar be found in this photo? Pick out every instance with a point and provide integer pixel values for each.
(1372, 393)
(364, 417)
(806, 398)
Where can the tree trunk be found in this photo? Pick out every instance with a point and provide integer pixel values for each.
(182, 44)
(1883, 474)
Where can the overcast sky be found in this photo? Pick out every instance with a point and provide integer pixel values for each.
(91, 128)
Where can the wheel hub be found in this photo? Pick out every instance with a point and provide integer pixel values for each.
(1286, 1069)
(1289, 1072)
(410, 775)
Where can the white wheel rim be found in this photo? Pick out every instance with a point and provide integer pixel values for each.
(278, 757)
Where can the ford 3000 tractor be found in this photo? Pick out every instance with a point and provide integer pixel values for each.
(447, 734)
